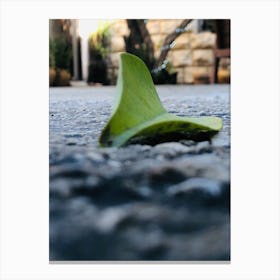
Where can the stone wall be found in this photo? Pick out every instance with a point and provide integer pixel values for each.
(118, 31)
(191, 57)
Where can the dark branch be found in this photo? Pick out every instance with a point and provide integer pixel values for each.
(169, 40)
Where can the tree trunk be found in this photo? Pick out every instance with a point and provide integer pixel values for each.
(140, 44)
(169, 40)
(139, 41)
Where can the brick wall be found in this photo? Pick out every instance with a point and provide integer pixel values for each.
(192, 55)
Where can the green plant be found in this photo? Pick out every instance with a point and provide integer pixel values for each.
(139, 117)
(98, 50)
(169, 68)
(99, 40)
(51, 53)
(60, 53)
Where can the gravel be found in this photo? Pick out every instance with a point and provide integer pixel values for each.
(168, 202)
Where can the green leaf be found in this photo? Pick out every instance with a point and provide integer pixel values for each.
(139, 117)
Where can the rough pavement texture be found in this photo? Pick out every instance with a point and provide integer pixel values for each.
(165, 202)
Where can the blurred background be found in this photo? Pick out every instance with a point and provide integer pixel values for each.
(85, 52)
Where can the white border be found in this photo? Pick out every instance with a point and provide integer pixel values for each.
(255, 138)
